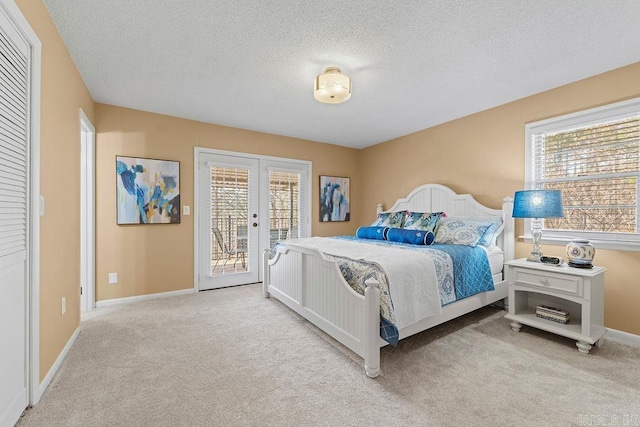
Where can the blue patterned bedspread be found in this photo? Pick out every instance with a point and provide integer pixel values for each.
(461, 271)
(471, 273)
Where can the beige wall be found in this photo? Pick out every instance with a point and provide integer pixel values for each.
(483, 154)
(63, 94)
(159, 258)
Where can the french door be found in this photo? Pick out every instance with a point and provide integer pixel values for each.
(244, 205)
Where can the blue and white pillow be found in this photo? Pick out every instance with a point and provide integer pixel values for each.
(461, 231)
(426, 221)
(491, 235)
(375, 233)
(390, 219)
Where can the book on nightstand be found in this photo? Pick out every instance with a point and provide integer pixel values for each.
(553, 314)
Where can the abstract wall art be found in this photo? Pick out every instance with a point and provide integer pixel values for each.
(147, 191)
(334, 198)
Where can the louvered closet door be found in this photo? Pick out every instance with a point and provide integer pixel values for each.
(13, 223)
(228, 252)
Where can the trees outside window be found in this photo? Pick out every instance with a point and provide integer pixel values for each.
(593, 157)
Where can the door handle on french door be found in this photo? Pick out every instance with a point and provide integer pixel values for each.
(255, 224)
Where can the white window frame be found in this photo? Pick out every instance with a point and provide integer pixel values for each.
(616, 241)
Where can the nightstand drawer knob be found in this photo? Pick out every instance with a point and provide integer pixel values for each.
(544, 281)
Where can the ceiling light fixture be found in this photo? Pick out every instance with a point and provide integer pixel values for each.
(332, 87)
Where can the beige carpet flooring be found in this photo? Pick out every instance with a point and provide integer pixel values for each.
(233, 358)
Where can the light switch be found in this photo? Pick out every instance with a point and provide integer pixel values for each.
(186, 210)
(41, 205)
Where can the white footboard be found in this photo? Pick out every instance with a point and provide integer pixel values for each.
(307, 282)
(304, 280)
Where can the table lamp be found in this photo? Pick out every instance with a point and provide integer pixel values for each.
(537, 204)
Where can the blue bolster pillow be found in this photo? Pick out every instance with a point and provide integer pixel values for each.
(377, 233)
(415, 237)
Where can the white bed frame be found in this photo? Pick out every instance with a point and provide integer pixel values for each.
(311, 285)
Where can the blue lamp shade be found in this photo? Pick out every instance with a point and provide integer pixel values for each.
(538, 204)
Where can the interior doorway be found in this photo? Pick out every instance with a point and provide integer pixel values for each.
(87, 213)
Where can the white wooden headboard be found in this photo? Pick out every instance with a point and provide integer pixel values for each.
(438, 198)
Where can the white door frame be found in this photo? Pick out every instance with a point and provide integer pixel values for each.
(87, 213)
(196, 235)
(252, 273)
(34, 205)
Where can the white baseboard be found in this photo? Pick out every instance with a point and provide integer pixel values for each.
(56, 365)
(118, 301)
(623, 336)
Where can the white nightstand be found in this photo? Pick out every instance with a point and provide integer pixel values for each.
(576, 290)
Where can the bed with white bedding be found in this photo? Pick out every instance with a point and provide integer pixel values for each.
(370, 292)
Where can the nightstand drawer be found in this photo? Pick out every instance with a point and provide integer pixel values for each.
(570, 285)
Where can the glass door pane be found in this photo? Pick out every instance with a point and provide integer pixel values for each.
(284, 206)
(229, 211)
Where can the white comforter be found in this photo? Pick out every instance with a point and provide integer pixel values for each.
(412, 277)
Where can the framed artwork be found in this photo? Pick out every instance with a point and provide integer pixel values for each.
(334, 198)
(147, 191)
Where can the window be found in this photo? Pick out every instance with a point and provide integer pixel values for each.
(593, 157)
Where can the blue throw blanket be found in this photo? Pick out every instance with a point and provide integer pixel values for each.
(471, 270)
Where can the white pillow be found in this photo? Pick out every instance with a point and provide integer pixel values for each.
(461, 231)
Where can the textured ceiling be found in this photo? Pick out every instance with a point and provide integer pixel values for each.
(414, 64)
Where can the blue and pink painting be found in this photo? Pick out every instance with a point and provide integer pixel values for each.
(147, 191)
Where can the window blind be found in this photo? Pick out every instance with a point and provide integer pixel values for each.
(596, 166)
(284, 204)
(229, 190)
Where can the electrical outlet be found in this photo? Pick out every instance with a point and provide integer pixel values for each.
(186, 210)
(64, 305)
(113, 278)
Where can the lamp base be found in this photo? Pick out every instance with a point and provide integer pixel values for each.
(535, 257)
